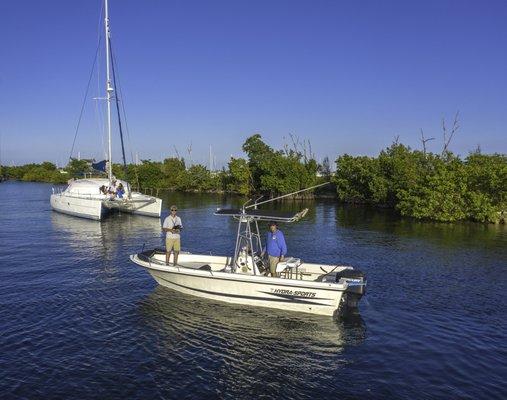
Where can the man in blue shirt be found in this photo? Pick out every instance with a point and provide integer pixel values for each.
(275, 247)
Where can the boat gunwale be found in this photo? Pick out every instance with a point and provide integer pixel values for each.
(260, 280)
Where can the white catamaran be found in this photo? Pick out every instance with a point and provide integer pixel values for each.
(300, 286)
(83, 197)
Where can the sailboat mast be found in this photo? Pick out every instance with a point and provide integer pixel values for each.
(109, 89)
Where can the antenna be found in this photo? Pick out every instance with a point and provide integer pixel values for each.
(189, 151)
(210, 159)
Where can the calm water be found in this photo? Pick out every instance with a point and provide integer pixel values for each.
(79, 320)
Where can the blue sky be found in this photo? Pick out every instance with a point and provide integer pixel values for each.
(349, 76)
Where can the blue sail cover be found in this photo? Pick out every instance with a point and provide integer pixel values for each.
(100, 166)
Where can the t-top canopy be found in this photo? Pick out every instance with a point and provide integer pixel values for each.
(262, 215)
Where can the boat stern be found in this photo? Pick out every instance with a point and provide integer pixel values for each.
(356, 289)
(354, 282)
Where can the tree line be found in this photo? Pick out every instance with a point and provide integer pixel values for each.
(441, 187)
(415, 183)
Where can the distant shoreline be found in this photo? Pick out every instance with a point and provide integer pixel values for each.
(419, 184)
(502, 217)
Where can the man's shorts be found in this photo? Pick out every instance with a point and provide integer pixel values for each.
(273, 262)
(172, 244)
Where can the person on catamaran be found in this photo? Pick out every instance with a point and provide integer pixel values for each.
(276, 248)
(172, 227)
(120, 191)
(111, 190)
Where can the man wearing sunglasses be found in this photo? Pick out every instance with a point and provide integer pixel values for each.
(172, 227)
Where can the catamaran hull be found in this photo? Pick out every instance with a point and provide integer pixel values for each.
(98, 208)
(149, 209)
(79, 207)
(253, 291)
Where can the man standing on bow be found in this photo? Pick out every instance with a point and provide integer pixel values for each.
(172, 227)
(275, 247)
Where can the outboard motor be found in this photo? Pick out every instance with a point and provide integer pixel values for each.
(356, 288)
(355, 279)
(344, 273)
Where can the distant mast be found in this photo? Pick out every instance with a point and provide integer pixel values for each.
(109, 89)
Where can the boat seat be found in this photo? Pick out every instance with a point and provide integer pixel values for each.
(148, 254)
(289, 267)
(288, 264)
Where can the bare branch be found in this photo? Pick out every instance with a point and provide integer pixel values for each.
(425, 140)
(454, 129)
(444, 130)
(176, 151)
(305, 151)
(295, 141)
(300, 148)
(285, 146)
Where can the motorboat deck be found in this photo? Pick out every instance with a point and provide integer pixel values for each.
(291, 268)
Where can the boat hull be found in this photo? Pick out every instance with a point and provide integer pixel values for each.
(144, 205)
(80, 207)
(96, 209)
(291, 295)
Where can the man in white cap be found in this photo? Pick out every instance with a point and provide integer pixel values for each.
(172, 227)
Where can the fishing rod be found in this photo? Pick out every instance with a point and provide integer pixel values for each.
(286, 195)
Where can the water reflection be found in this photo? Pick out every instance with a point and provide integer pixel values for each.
(196, 200)
(82, 234)
(459, 234)
(352, 222)
(248, 347)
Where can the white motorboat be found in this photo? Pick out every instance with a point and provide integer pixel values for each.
(301, 286)
(83, 197)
